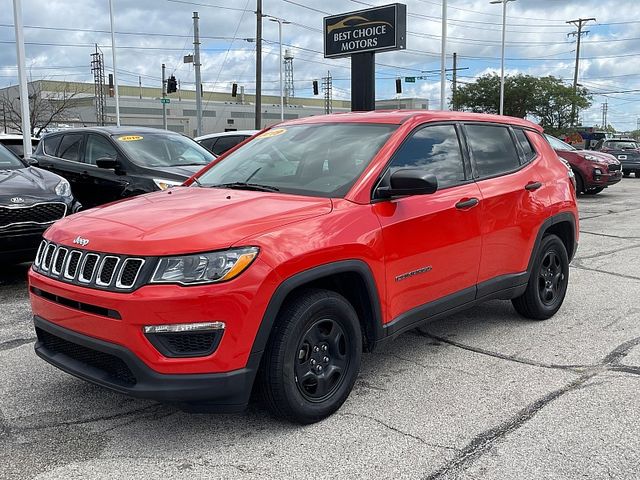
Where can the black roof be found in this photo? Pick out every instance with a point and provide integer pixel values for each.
(116, 130)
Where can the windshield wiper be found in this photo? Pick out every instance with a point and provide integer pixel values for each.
(247, 186)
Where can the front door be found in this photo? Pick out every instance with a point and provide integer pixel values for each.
(101, 185)
(432, 242)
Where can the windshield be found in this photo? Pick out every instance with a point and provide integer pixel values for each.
(163, 150)
(558, 144)
(621, 145)
(8, 161)
(318, 159)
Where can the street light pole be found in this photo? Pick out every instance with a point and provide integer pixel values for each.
(280, 21)
(22, 79)
(504, 33)
(443, 75)
(113, 56)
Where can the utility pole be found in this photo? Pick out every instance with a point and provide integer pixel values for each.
(443, 75)
(605, 108)
(327, 86)
(140, 86)
(578, 34)
(454, 84)
(22, 79)
(164, 95)
(258, 122)
(197, 65)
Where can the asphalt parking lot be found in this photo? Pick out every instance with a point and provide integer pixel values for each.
(483, 394)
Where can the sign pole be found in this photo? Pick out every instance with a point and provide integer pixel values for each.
(164, 94)
(363, 82)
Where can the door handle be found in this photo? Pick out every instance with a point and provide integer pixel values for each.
(531, 186)
(466, 204)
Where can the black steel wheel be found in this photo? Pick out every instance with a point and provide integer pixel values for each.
(548, 281)
(312, 358)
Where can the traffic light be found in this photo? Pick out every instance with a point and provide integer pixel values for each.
(315, 87)
(172, 84)
(234, 90)
(398, 85)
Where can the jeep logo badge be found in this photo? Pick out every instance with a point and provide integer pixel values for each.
(17, 200)
(81, 241)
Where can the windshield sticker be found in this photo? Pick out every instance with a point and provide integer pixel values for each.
(272, 133)
(130, 138)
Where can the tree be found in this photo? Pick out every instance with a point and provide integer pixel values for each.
(46, 106)
(547, 99)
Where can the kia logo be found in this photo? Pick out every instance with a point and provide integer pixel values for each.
(81, 241)
(17, 200)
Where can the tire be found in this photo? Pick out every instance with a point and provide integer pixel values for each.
(625, 173)
(579, 183)
(594, 191)
(315, 333)
(548, 282)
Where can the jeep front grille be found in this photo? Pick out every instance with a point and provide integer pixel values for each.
(119, 273)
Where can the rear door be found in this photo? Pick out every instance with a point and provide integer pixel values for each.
(432, 242)
(66, 160)
(513, 201)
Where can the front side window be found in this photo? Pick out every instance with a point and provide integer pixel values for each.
(323, 159)
(163, 150)
(98, 147)
(70, 147)
(436, 150)
(493, 149)
(50, 144)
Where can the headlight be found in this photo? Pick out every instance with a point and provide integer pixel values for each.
(591, 158)
(204, 267)
(63, 189)
(164, 184)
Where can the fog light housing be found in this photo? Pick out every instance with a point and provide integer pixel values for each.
(597, 171)
(185, 339)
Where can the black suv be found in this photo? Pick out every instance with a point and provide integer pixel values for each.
(104, 164)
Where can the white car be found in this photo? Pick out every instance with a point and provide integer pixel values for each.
(218, 143)
(14, 143)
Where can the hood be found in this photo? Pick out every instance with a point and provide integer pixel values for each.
(31, 184)
(183, 172)
(601, 156)
(184, 220)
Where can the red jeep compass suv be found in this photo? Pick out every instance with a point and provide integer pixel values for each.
(290, 255)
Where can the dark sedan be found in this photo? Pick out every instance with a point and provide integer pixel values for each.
(30, 200)
(104, 164)
(625, 150)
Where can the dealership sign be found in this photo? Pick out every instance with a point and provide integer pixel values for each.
(373, 30)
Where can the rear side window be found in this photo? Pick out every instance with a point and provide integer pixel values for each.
(50, 144)
(225, 143)
(436, 150)
(493, 149)
(525, 145)
(70, 147)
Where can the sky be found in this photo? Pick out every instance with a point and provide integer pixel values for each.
(61, 35)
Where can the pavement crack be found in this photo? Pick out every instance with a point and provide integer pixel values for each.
(511, 358)
(396, 430)
(15, 343)
(484, 441)
(598, 234)
(576, 264)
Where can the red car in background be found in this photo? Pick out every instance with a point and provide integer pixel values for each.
(594, 171)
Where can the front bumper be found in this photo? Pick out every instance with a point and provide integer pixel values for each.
(117, 368)
(20, 243)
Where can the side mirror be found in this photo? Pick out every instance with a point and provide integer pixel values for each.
(409, 181)
(107, 162)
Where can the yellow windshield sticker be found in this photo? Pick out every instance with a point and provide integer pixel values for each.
(272, 133)
(130, 138)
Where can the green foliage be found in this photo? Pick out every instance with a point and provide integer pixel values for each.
(547, 99)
